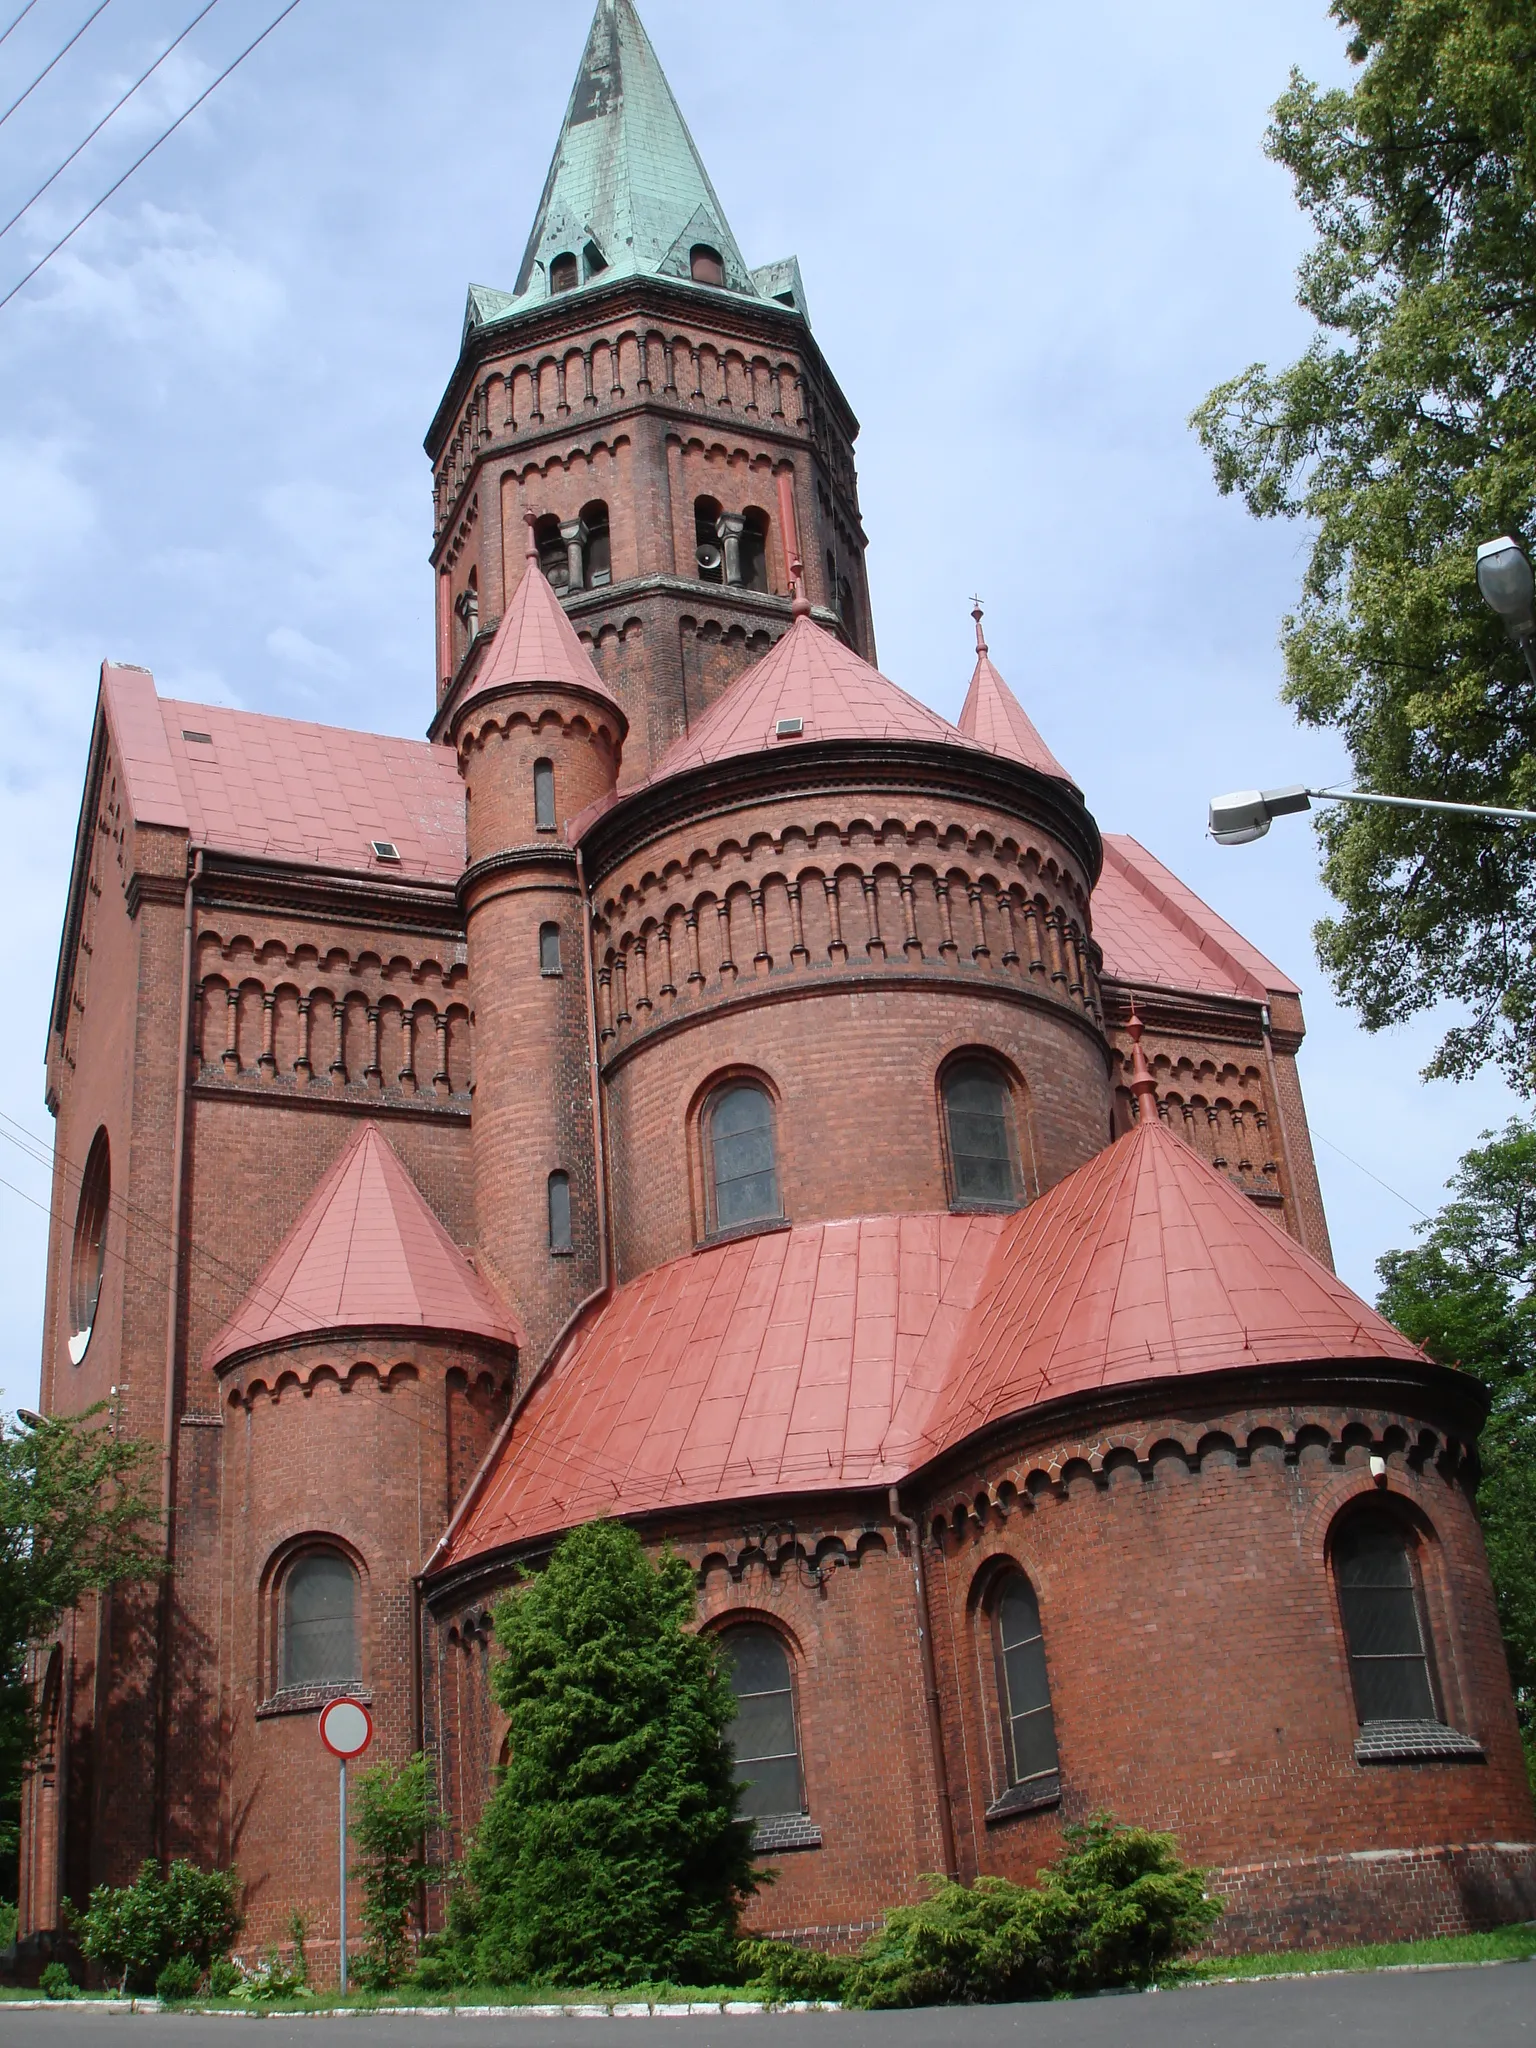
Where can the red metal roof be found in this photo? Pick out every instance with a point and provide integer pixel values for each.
(993, 717)
(1156, 931)
(808, 675)
(849, 1354)
(536, 643)
(279, 787)
(365, 1253)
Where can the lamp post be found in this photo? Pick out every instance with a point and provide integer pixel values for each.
(1509, 588)
(1505, 578)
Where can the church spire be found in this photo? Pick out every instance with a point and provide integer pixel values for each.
(627, 193)
(994, 717)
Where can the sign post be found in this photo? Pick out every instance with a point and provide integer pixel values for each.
(346, 1729)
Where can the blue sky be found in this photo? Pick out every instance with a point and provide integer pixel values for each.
(1032, 238)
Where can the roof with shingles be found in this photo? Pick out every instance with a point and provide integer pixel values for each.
(993, 717)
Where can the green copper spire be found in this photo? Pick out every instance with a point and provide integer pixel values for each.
(627, 193)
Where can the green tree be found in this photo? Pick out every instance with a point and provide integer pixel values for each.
(393, 1814)
(1404, 436)
(75, 1516)
(134, 1930)
(610, 1852)
(1467, 1293)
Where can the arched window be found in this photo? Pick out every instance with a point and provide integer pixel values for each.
(560, 1212)
(563, 273)
(979, 1113)
(598, 547)
(543, 796)
(706, 265)
(549, 949)
(88, 1254)
(1024, 1692)
(742, 1171)
(1379, 1599)
(754, 549)
(320, 1621)
(709, 556)
(763, 1736)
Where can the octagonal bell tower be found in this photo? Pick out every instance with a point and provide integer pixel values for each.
(644, 397)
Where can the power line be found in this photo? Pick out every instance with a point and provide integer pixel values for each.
(106, 117)
(100, 8)
(165, 136)
(19, 20)
(1373, 1176)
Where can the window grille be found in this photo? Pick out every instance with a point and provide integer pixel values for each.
(976, 1103)
(763, 1736)
(549, 949)
(1029, 1727)
(543, 796)
(1383, 1623)
(320, 1621)
(743, 1170)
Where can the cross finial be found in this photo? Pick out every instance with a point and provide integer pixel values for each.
(976, 614)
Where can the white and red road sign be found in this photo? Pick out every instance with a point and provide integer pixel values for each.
(346, 1728)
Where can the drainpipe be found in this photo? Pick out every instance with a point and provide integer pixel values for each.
(173, 1323)
(930, 1688)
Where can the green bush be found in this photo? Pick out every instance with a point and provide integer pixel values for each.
(395, 1809)
(56, 1982)
(610, 1853)
(224, 1977)
(7, 1922)
(784, 1971)
(134, 1930)
(272, 1979)
(1114, 1909)
(179, 1979)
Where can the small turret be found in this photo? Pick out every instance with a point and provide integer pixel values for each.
(538, 738)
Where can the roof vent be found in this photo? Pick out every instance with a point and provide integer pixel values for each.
(385, 849)
(789, 728)
(198, 739)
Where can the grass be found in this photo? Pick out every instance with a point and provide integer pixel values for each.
(1502, 1945)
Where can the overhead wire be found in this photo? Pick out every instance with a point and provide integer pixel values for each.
(138, 161)
(58, 56)
(6, 36)
(106, 117)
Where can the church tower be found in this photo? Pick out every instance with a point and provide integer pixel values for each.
(659, 410)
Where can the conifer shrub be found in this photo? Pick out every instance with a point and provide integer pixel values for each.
(179, 1979)
(56, 1982)
(134, 1930)
(1115, 1909)
(394, 1811)
(610, 1853)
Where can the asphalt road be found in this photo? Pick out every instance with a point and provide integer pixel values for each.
(1489, 2007)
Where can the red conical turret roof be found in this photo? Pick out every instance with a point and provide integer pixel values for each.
(993, 717)
(1145, 1264)
(365, 1253)
(537, 644)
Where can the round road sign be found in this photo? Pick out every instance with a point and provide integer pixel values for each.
(346, 1728)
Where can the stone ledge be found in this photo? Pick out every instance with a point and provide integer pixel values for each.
(787, 1831)
(309, 1699)
(1027, 1798)
(1401, 1742)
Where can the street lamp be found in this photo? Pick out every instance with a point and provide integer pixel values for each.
(1246, 814)
(1504, 577)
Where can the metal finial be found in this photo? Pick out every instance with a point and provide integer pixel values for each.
(976, 614)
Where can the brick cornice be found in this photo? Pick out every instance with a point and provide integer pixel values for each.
(301, 889)
(855, 769)
(556, 860)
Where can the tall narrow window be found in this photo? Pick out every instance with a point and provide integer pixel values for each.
(543, 796)
(549, 949)
(599, 545)
(706, 265)
(708, 553)
(981, 1151)
(1383, 1622)
(763, 1738)
(560, 1212)
(88, 1254)
(554, 555)
(754, 549)
(563, 273)
(1029, 1727)
(743, 1172)
(320, 1621)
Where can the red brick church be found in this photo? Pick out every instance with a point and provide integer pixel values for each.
(698, 1083)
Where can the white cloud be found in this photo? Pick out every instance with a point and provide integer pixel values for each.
(45, 513)
(292, 646)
